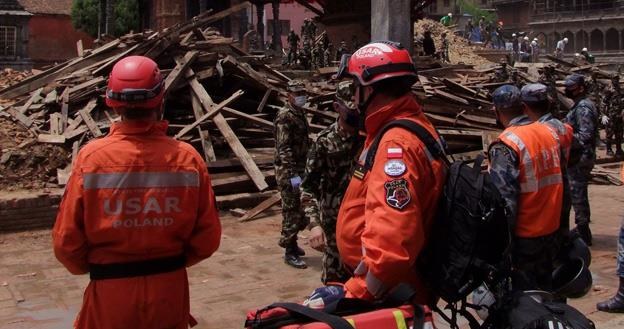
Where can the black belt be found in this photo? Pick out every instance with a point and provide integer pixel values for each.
(139, 268)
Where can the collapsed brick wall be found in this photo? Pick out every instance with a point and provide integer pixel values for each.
(28, 213)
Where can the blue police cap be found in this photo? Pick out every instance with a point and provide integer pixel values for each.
(534, 92)
(506, 97)
(574, 80)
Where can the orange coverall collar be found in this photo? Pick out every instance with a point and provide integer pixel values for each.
(405, 106)
(139, 128)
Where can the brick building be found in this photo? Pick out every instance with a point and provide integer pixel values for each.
(37, 33)
(595, 24)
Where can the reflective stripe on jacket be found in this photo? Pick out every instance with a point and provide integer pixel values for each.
(541, 184)
(132, 196)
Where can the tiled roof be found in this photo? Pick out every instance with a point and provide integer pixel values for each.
(56, 7)
(10, 5)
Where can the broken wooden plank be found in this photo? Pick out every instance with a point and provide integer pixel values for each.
(64, 110)
(53, 139)
(264, 100)
(17, 115)
(178, 72)
(250, 166)
(246, 116)
(212, 111)
(85, 114)
(55, 124)
(35, 96)
(79, 48)
(198, 111)
(266, 204)
(451, 97)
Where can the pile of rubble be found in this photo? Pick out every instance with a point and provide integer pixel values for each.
(460, 49)
(219, 99)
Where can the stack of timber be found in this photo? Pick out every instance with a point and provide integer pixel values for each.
(218, 98)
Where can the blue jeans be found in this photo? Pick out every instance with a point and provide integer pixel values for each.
(620, 254)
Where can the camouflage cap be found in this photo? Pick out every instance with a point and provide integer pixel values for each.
(344, 93)
(506, 97)
(573, 81)
(295, 85)
(534, 92)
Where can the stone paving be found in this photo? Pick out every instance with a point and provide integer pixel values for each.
(248, 271)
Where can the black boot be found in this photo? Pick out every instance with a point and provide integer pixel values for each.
(585, 232)
(618, 152)
(292, 258)
(300, 251)
(615, 304)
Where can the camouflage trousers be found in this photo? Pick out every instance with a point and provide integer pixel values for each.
(333, 269)
(533, 262)
(615, 132)
(293, 217)
(579, 176)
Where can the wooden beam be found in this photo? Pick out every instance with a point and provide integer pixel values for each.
(204, 135)
(264, 100)
(250, 166)
(88, 120)
(79, 48)
(53, 139)
(266, 204)
(178, 72)
(251, 118)
(211, 111)
(17, 115)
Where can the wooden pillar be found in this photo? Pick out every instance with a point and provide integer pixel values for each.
(260, 24)
(390, 20)
(277, 27)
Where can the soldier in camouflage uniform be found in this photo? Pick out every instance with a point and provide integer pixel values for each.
(291, 147)
(612, 116)
(293, 45)
(583, 117)
(327, 175)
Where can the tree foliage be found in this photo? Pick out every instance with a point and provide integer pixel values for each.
(475, 11)
(86, 14)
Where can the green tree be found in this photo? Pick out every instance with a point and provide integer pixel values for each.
(86, 16)
(476, 12)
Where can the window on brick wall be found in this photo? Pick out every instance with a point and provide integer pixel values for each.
(285, 23)
(8, 40)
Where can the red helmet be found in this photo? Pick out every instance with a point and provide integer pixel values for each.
(135, 82)
(378, 61)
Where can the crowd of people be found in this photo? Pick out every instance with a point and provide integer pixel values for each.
(139, 207)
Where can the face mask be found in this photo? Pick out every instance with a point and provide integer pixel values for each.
(300, 100)
(569, 93)
(353, 119)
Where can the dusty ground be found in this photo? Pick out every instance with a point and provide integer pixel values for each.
(245, 273)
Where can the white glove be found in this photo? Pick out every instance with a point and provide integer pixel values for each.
(604, 120)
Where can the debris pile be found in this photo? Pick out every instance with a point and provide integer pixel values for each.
(460, 49)
(10, 76)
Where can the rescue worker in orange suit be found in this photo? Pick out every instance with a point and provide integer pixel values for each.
(138, 209)
(388, 209)
(525, 167)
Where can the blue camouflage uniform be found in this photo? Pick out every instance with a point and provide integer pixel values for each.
(583, 118)
(532, 258)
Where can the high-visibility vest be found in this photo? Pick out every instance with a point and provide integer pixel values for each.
(541, 184)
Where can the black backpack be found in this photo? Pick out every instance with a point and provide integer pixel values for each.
(522, 311)
(470, 240)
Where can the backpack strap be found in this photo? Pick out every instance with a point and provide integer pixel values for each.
(335, 322)
(433, 146)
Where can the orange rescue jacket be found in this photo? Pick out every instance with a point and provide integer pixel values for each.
(136, 195)
(386, 215)
(541, 184)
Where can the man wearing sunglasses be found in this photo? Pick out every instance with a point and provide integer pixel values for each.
(138, 209)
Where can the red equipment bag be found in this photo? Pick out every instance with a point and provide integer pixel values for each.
(296, 316)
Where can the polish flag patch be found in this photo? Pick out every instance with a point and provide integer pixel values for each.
(395, 153)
